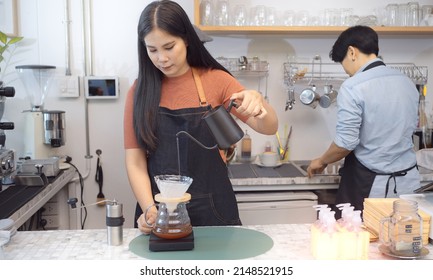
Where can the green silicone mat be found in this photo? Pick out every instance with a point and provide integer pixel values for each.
(211, 243)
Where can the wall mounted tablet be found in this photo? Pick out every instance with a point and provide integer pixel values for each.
(101, 87)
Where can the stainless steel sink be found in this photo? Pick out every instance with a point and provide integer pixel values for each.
(331, 169)
(295, 168)
(251, 170)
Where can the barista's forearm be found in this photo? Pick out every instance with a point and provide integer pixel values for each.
(136, 168)
(268, 124)
(333, 154)
(140, 185)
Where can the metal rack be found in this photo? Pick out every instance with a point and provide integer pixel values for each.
(310, 73)
(243, 67)
(317, 75)
(418, 74)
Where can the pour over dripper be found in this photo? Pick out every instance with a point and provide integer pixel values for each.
(172, 189)
(172, 186)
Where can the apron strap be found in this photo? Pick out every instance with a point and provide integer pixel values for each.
(374, 64)
(203, 101)
(198, 84)
(392, 175)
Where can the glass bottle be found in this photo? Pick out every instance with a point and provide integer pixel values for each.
(246, 146)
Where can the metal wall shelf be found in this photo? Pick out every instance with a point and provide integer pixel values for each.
(320, 76)
(248, 68)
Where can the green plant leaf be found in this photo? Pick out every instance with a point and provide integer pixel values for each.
(14, 40)
(5, 43)
(3, 37)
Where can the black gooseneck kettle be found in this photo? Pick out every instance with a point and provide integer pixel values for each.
(223, 127)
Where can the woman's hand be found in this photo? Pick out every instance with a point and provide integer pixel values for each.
(145, 224)
(261, 116)
(251, 105)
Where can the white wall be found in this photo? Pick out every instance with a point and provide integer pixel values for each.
(114, 53)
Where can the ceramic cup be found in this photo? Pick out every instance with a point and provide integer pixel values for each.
(269, 158)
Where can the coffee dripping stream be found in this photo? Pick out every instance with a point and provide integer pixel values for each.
(172, 229)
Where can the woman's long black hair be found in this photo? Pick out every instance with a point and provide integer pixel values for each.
(170, 17)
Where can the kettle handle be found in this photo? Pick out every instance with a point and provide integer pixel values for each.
(232, 104)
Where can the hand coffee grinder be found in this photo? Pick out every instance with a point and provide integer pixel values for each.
(44, 129)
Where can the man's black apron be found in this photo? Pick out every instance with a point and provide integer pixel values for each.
(213, 201)
(357, 180)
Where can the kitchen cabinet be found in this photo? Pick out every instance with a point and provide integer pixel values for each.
(280, 195)
(426, 31)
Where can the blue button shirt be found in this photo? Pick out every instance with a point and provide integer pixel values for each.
(377, 116)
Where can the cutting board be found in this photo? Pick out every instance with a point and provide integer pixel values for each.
(211, 243)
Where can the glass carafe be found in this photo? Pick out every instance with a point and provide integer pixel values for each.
(172, 224)
(402, 231)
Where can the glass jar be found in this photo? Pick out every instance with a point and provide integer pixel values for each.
(206, 12)
(413, 14)
(392, 15)
(402, 231)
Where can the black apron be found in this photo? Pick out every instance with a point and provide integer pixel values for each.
(213, 202)
(357, 180)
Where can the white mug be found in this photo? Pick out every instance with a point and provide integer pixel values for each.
(269, 158)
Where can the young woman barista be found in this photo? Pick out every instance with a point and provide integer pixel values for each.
(177, 80)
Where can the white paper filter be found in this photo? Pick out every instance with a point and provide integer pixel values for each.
(173, 185)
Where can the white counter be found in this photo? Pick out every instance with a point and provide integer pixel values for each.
(291, 242)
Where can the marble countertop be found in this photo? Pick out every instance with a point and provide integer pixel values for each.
(291, 242)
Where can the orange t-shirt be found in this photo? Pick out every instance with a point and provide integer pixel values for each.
(181, 92)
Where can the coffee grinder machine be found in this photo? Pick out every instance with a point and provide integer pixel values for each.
(44, 130)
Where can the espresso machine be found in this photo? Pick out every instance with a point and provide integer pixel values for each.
(7, 156)
(44, 129)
